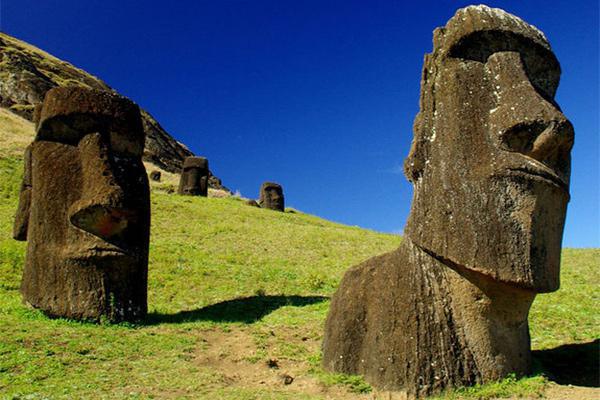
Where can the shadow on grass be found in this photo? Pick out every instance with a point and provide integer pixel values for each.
(571, 364)
(246, 310)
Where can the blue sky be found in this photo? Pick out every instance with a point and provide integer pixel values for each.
(317, 95)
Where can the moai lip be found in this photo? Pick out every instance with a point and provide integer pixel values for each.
(85, 208)
(271, 196)
(194, 177)
(490, 164)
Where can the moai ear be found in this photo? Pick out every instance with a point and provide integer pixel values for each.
(22, 216)
(415, 162)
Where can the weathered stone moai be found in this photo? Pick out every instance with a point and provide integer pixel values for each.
(155, 176)
(85, 208)
(194, 177)
(490, 165)
(271, 196)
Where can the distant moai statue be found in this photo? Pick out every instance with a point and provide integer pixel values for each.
(194, 177)
(155, 176)
(271, 196)
(84, 208)
(490, 164)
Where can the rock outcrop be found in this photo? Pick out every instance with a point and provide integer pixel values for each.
(490, 164)
(27, 73)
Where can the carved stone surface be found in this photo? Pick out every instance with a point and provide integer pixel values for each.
(194, 177)
(155, 176)
(490, 165)
(85, 208)
(271, 196)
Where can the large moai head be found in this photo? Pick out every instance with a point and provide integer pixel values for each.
(85, 208)
(490, 158)
(194, 177)
(271, 196)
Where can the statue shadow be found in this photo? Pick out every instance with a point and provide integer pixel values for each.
(571, 364)
(246, 310)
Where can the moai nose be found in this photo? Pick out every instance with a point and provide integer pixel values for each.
(557, 135)
(524, 120)
(100, 209)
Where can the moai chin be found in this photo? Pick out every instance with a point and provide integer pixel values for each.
(194, 177)
(84, 208)
(490, 164)
(271, 196)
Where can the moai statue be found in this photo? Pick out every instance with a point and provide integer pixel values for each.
(271, 196)
(490, 164)
(194, 177)
(155, 176)
(84, 208)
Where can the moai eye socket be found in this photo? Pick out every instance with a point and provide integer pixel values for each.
(541, 66)
(69, 114)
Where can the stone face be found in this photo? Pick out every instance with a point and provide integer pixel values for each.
(194, 177)
(490, 165)
(155, 176)
(86, 198)
(271, 196)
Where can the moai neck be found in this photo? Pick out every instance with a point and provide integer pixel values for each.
(490, 316)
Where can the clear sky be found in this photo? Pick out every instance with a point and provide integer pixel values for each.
(317, 95)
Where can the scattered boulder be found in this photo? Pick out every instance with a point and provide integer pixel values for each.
(252, 203)
(287, 379)
(271, 196)
(85, 208)
(194, 177)
(490, 165)
(155, 176)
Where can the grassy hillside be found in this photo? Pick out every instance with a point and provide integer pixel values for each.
(237, 299)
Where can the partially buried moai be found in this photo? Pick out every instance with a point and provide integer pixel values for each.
(85, 208)
(271, 196)
(194, 177)
(490, 165)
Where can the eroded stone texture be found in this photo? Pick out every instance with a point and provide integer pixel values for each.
(271, 196)
(194, 177)
(490, 166)
(86, 198)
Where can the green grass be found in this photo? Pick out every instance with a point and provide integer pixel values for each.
(532, 387)
(239, 284)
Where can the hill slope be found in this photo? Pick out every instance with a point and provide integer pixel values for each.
(237, 298)
(26, 73)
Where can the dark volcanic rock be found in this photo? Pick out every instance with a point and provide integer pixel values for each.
(27, 73)
(155, 176)
(194, 177)
(271, 196)
(251, 203)
(85, 208)
(490, 166)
